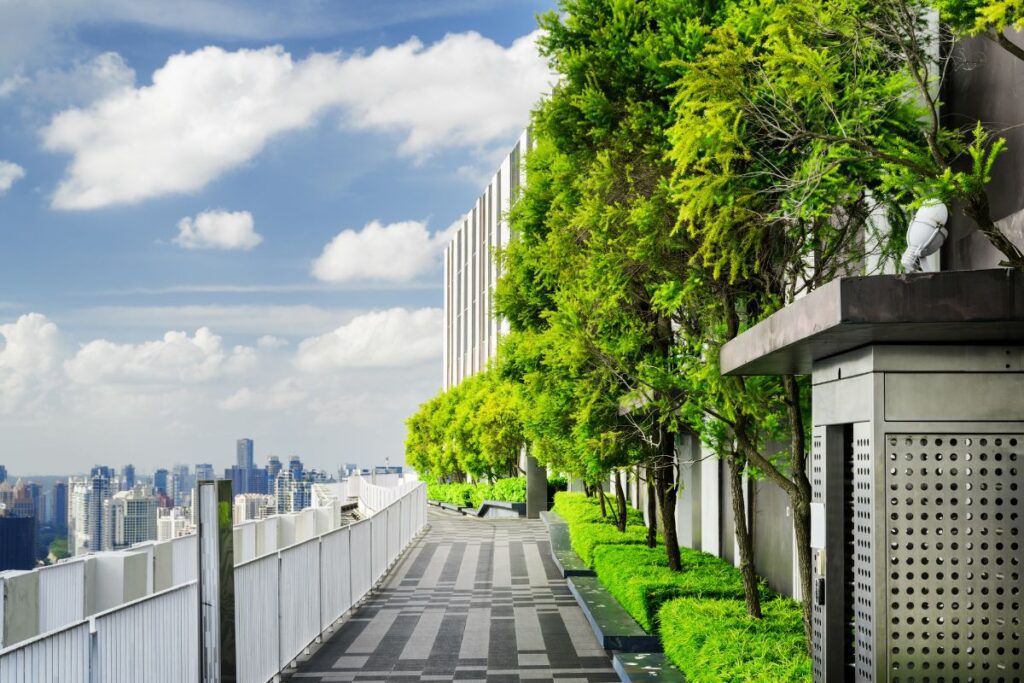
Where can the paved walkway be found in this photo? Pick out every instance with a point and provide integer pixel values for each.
(472, 600)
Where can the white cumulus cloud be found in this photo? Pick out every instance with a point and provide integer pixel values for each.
(29, 353)
(397, 252)
(280, 396)
(209, 111)
(9, 173)
(395, 337)
(218, 229)
(177, 358)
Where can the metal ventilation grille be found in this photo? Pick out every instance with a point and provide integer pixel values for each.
(954, 545)
(817, 611)
(863, 553)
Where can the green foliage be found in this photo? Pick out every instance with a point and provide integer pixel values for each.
(460, 495)
(641, 581)
(474, 428)
(557, 482)
(714, 640)
(588, 530)
(980, 16)
(578, 508)
(511, 489)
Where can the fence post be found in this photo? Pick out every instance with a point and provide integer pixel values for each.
(216, 582)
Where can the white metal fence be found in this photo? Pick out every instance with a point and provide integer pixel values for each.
(284, 601)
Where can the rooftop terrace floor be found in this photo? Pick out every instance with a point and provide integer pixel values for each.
(472, 600)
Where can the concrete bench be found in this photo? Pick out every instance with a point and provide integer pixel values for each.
(646, 666)
(612, 625)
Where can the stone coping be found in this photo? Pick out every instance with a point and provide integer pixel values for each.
(614, 628)
(644, 667)
(953, 307)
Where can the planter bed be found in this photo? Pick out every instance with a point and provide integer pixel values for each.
(614, 628)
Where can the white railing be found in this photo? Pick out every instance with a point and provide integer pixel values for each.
(285, 601)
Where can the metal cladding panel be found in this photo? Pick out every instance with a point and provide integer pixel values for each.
(955, 557)
(394, 532)
(335, 576)
(61, 657)
(361, 564)
(61, 595)
(184, 561)
(156, 638)
(863, 552)
(299, 598)
(256, 619)
(379, 546)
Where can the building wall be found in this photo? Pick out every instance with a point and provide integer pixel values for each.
(988, 88)
(470, 273)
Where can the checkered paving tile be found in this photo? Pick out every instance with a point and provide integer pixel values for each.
(473, 600)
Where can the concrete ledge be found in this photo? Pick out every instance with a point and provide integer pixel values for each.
(565, 558)
(501, 508)
(954, 307)
(552, 518)
(646, 666)
(614, 628)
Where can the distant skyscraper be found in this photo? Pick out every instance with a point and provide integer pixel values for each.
(295, 467)
(160, 481)
(204, 472)
(273, 468)
(102, 471)
(59, 502)
(3, 474)
(134, 517)
(128, 477)
(244, 454)
(17, 542)
(97, 522)
(253, 506)
(180, 484)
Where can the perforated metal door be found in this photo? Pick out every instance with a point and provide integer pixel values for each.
(953, 540)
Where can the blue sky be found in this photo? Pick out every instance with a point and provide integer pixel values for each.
(224, 219)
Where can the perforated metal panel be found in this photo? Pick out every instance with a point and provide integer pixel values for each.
(818, 496)
(953, 581)
(863, 553)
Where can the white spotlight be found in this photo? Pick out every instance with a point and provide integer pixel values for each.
(926, 234)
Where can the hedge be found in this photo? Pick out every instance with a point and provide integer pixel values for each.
(512, 490)
(639, 578)
(577, 507)
(714, 640)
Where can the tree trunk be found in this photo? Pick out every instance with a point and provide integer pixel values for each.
(800, 498)
(620, 499)
(743, 538)
(979, 210)
(666, 488)
(600, 494)
(652, 511)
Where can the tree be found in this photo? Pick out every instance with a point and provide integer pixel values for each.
(988, 18)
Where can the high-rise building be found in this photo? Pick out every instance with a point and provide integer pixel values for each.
(160, 481)
(133, 516)
(102, 471)
(3, 474)
(97, 520)
(273, 469)
(470, 273)
(128, 477)
(180, 485)
(17, 542)
(59, 506)
(295, 467)
(173, 523)
(243, 454)
(253, 506)
(204, 472)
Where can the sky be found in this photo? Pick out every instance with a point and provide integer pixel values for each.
(225, 219)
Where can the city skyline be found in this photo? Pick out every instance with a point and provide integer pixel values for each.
(286, 287)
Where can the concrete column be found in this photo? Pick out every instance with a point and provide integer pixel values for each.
(536, 488)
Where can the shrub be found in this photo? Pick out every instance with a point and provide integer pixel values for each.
(512, 489)
(577, 507)
(714, 640)
(639, 578)
(455, 494)
(557, 482)
(586, 537)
